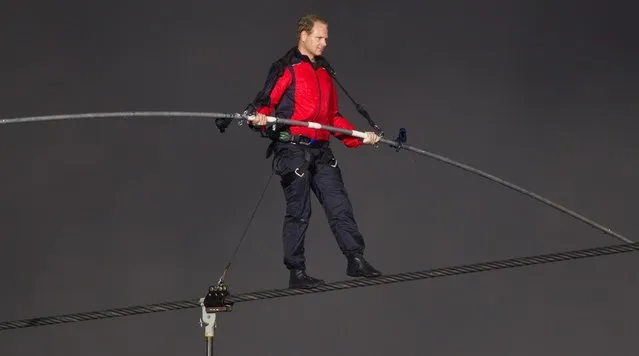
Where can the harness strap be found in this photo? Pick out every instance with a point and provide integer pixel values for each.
(286, 137)
(299, 172)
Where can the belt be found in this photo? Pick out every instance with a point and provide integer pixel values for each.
(296, 140)
(306, 141)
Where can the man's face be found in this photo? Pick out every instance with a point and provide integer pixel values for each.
(315, 42)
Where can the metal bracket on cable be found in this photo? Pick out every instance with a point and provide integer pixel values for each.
(214, 302)
(401, 138)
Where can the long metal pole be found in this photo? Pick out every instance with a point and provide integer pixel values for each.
(244, 117)
(399, 145)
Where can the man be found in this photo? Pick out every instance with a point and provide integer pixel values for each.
(299, 87)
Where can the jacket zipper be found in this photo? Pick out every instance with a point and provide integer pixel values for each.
(319, 100)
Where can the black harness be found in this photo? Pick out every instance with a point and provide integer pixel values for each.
(316, 153)
(287, 137)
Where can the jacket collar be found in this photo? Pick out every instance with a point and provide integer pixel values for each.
(295, 56)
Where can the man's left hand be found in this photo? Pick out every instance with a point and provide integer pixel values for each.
(371, 138)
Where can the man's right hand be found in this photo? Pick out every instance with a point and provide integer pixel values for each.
(259, 120)
(371, 138)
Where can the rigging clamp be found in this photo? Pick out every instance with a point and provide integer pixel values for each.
(214, 302)
(401, 138)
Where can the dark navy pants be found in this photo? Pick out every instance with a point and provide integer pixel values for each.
(304, 169)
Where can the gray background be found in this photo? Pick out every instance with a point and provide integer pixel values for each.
(103, 214)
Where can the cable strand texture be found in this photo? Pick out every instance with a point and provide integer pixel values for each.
(341, 285)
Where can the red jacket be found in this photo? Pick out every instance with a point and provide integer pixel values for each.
(298, 89)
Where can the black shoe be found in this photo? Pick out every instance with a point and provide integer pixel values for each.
(359, 267)
(299, 279)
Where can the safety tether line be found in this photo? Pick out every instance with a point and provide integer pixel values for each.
(398, 144)
(335, 286)
(237, 247)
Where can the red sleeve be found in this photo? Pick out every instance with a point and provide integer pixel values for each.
(275, 95)
(277, 81)
(338, 120)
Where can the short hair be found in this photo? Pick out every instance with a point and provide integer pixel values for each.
(306, 23)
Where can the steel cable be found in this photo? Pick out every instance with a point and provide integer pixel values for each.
(329, 287)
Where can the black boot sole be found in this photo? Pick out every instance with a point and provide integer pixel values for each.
(306, 286)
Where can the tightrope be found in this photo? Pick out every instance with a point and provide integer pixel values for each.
(341, 285)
